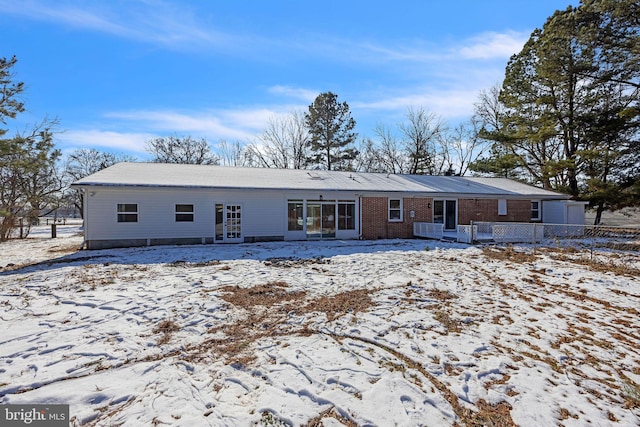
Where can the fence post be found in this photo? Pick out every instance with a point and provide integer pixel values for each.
(53, 231)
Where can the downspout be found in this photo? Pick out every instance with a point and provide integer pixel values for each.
(360, 217)
(85, 217)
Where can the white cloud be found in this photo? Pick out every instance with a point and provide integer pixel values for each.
(484, 46)
(112, 141)
(493, 45)
(448, 104)
(240, 124)
(160, 23)
(306, 95)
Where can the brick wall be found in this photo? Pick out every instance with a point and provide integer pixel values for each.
(375, 217)
(487, 210)
(376, 225)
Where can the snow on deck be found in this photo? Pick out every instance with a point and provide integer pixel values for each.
(399, 332)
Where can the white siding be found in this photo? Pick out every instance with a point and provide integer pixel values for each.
(262, 212)
(575, 213)
(563, 212)
(553, 212)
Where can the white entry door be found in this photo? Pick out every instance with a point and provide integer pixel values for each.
(229, 223)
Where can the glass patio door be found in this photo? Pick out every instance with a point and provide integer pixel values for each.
(328, 220)
(228, 223)
(321, 220)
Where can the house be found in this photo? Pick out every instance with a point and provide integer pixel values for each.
(138, 204)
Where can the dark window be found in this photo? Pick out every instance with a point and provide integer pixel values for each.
(184, 213)
(127, 212)
(346, 215)
(295, 218)
(395, 209)
(535, 210)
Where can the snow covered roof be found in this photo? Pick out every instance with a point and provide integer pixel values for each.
(206, 176)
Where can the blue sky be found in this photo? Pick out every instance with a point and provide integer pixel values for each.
(117, 73)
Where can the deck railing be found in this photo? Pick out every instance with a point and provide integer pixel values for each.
(593, 236)
(428, 230)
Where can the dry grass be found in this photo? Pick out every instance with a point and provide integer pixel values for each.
(450, 324)
(441, 295)
(267, 309)
(269, 294)
(329, 413)
(340, 304)
(498, 415)
(166, 328)
(295, 262)
(631, 395)
(585, 258)
(508, 254)
(64, 249)
(186, 264)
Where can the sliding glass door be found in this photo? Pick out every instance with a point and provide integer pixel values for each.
(321, 220)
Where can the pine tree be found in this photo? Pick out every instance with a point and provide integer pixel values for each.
(331, 133)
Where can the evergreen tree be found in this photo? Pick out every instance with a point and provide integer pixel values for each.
(571, 103)
(331, 133)
(28, 176)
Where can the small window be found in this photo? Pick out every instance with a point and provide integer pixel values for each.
(127, 212)
(184, 213)
(295, 219)
(502, 207)
(395, 209)
(346, 215)
(535, 210)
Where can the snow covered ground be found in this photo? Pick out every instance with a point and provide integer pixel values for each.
(384, 333)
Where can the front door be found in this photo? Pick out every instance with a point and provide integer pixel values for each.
(446, 212)
(228, 223)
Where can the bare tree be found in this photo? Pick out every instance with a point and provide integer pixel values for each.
(390, 150)
(369, 157)
(186, 150)
(283, 144)
(460, 147)
(234, 154)
(421, 132)
(489, 111)
(84, 162)
(29, 182)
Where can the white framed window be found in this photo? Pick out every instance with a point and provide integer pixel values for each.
(395, 210)
(127, 212)
(502, 206)
(184, 213)
(535, 210)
